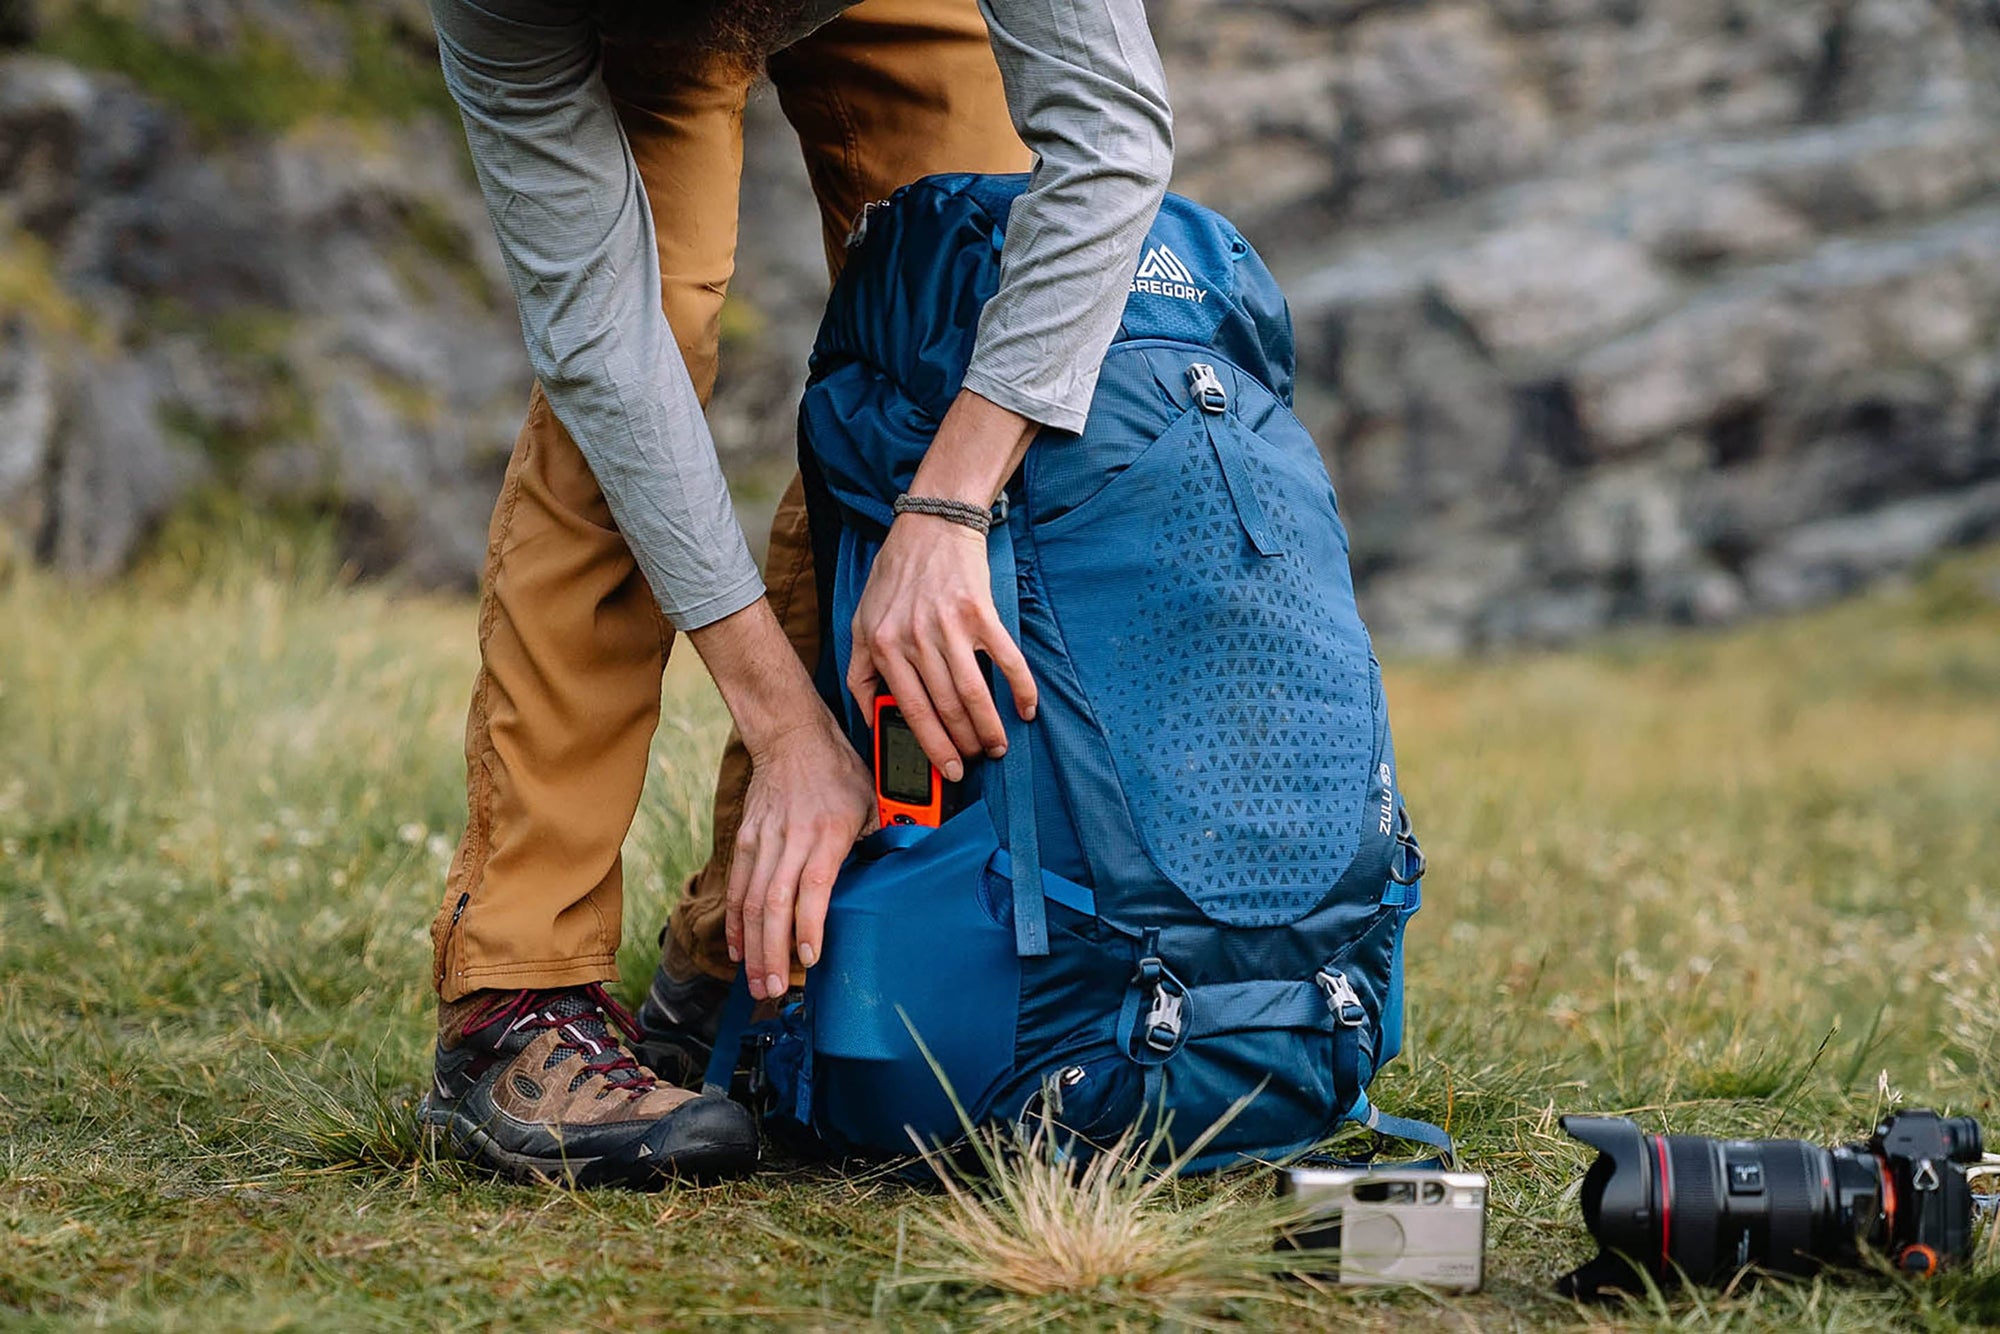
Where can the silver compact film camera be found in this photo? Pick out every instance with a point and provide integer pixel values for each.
(1392, 1225)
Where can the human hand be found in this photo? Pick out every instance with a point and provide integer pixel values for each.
(809, 798)
(927, 612)
(925, 615)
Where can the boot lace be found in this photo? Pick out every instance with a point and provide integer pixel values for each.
(579, 1014)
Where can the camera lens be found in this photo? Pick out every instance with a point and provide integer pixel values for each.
(1733, 1203)
(1674, 1205)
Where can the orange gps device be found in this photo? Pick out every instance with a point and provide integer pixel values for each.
(908, 788)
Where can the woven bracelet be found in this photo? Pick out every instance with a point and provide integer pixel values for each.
(961, 512)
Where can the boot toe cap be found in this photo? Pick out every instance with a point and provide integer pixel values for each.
(707, 1137)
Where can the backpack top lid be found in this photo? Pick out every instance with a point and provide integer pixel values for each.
(907, 305)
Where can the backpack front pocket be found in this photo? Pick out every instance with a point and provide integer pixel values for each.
(1297, 1055)
(1205, 602)
(911, 953)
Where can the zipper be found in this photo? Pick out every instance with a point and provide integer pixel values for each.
(859, 231)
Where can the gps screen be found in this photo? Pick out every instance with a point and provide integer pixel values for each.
(906, 770)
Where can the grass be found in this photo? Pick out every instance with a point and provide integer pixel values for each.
(1745, 883)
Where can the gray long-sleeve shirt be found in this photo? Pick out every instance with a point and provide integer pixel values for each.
(1087, 95)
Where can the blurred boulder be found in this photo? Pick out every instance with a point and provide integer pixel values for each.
(1625, 310)
(315, 319)
(1609, 311)
(27, 427)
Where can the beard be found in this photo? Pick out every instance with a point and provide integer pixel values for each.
(741, 30)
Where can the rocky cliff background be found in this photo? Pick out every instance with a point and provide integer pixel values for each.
(1609, 310)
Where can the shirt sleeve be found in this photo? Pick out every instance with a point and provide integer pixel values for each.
(1087, 94)
(577, 236)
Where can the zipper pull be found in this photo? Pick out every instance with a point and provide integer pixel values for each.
(859, 231)
(1208, 390)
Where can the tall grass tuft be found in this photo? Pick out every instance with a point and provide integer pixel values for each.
(336, 1116)
(1023, 1219)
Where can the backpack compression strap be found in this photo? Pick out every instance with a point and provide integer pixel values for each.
(729, 1028)
(1387, 1127)
(1016, 770)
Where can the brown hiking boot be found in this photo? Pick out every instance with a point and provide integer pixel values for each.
(534, 1085)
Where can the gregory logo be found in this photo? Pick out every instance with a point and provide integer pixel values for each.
(1162, 274)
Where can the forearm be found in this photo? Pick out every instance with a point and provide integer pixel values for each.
(765, 687)
(576, 233)
(1087, 94)
(977, 448)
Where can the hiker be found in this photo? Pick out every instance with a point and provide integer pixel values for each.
(607, 139)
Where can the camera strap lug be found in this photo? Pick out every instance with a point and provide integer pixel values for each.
(1925, 1178)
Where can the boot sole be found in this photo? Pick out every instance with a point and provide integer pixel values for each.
(703, 1152)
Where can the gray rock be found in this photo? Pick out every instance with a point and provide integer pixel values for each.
(1536, 290)
(116, 471)
(1608, 311)
(1821, 561)
(27, 428)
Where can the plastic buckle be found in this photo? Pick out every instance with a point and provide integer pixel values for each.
(1342, 1000)
(1000, 508)
(1406, 863)
(1164, 1022)
(1207, 387)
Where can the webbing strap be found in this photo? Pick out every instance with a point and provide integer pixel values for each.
(1347, 1083)
(729, 1028)
(1407, 1128)
(1016, 769)
(1077, 898)
(1413, 1130)
(1229, 454)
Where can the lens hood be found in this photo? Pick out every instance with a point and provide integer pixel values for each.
(1619, 1207)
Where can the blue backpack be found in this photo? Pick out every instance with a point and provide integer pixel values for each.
(1187, 881)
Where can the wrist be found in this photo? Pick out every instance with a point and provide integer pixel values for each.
(766, 689)
(977, 448)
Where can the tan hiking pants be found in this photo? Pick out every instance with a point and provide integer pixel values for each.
(571, 643)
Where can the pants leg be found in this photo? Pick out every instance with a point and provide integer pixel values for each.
(891, 91)
(571, 641)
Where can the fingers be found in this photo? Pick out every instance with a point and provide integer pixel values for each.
(741, 863)
(1013, 665)
(907, 685)
(958, 695)
(809, 798)
(771, 911)
(768, 846)
(864, 681)
(816, 890)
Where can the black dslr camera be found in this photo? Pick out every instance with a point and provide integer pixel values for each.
(1667, 1206)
